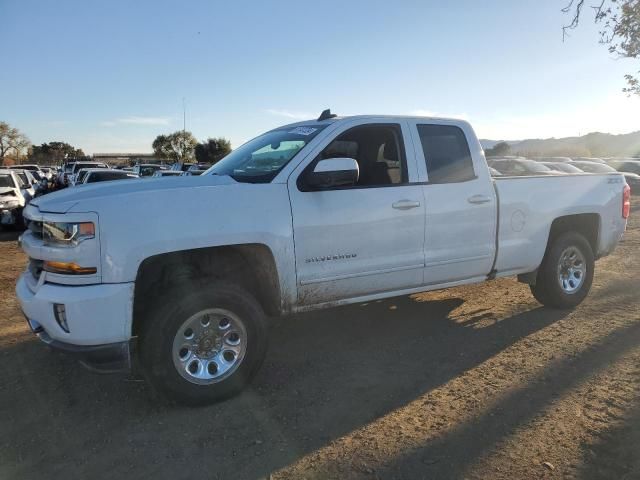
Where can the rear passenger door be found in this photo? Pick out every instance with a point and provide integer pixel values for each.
(460, 202)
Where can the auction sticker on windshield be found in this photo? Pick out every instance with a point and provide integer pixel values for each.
(303, 130)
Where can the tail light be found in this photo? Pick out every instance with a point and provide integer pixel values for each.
(626, 201)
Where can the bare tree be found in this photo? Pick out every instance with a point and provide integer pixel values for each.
(11, 139)
(620, 22)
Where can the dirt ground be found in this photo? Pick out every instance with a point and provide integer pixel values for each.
(478, 382)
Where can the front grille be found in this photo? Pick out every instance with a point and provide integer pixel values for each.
(35, 228)
(35, 267)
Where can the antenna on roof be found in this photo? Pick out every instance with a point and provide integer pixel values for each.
(326, 115)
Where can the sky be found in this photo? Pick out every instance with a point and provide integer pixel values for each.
(110, 76)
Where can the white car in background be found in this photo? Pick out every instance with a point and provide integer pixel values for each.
(28, 184)
(31, 167)
(12, 200)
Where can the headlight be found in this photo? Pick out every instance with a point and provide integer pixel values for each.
(67, 234)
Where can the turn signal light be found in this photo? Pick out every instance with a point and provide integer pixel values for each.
(68, 268)
(626, 201)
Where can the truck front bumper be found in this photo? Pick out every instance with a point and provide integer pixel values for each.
(95, 327)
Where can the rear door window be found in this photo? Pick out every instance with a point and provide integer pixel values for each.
(446, 153)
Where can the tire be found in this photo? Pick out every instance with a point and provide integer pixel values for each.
(558, 284)
(165, 336)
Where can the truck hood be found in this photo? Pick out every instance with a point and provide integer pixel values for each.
(90, 194)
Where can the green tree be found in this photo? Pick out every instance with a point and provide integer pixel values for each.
(499, 150)
(11, 139)
(212, 150)
(620, 22)
(54, 153)
(178, 146)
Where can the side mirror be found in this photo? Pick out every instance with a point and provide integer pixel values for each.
(333, 172)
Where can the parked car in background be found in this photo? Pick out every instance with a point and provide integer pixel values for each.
(147, 169)
(632, 179)
(12, 200)
(593, 167)
(182, 167)
(632, 166)
(49, 172)
(631, 171)
(588, 159)
(193, 173)
(62, 179)
(520, 167)
(199, 166)
(42, 184)
(79, 176)
(293, 220)
(32, 167)
(552, 159)
(80, 165)
(28, 186)
(563, 167)
(167, 173)
(95, 175)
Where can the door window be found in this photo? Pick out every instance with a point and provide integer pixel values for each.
(446, 153)
(379, 151)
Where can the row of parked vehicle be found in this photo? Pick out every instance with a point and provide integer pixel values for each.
(522, 166)
(19, 184)
(77, 173)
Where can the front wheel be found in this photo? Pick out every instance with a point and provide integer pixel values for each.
(202, 346)
(566, 273)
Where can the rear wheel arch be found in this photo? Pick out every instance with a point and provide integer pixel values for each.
(586, 224)
(250, 266)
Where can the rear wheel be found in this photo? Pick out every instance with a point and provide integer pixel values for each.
(566, 273)
(203, 346)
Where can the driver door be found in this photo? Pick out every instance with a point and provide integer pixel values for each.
(366, 238)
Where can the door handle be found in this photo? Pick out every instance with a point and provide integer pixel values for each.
(405, 204)
(477, 199)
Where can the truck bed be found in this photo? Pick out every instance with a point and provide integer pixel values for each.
(526, 206)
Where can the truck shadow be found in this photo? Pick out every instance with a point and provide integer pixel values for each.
(451, 455)
(326, 374)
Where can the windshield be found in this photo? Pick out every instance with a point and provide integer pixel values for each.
(6, 181)
(259, 160)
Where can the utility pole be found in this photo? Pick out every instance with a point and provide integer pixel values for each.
(184, 127)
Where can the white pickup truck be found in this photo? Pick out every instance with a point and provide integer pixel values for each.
(184, 272)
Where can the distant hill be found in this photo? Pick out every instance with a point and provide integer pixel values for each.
(594, 144)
